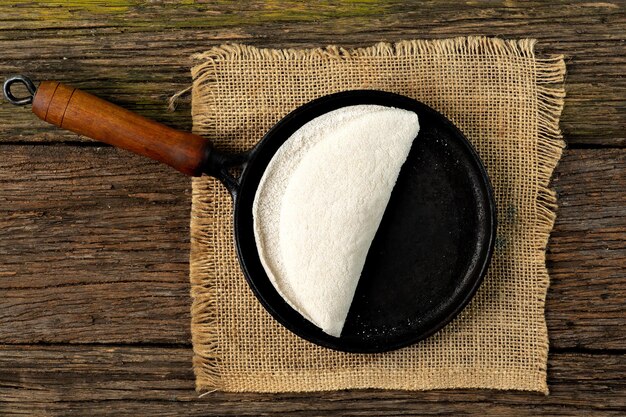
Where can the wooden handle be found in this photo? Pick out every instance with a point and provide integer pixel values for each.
(85, 114)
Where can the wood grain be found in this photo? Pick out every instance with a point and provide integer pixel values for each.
(587, 252)
(94, 251)
(137, 54)
(131, 381)
(94, 245)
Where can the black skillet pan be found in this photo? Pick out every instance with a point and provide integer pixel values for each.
(429, 254)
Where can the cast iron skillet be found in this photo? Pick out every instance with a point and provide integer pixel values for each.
(429, 254)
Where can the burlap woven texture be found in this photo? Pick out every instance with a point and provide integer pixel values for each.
(505, 100)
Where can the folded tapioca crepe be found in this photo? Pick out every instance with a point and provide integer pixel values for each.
(320, 203)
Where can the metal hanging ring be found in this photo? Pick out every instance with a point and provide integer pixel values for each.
(19, 101)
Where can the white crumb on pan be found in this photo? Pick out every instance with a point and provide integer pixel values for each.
(320, 202)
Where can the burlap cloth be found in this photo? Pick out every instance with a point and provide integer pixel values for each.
(501, 96)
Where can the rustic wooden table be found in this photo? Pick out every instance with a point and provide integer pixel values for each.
(94, 305)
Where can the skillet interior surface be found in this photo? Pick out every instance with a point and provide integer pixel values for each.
(431, 250)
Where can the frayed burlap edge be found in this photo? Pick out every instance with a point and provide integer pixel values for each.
(550, 74)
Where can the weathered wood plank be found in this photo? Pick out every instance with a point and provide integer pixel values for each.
(94, 248)
(136, 53)
(587, 252)
(131, 381)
